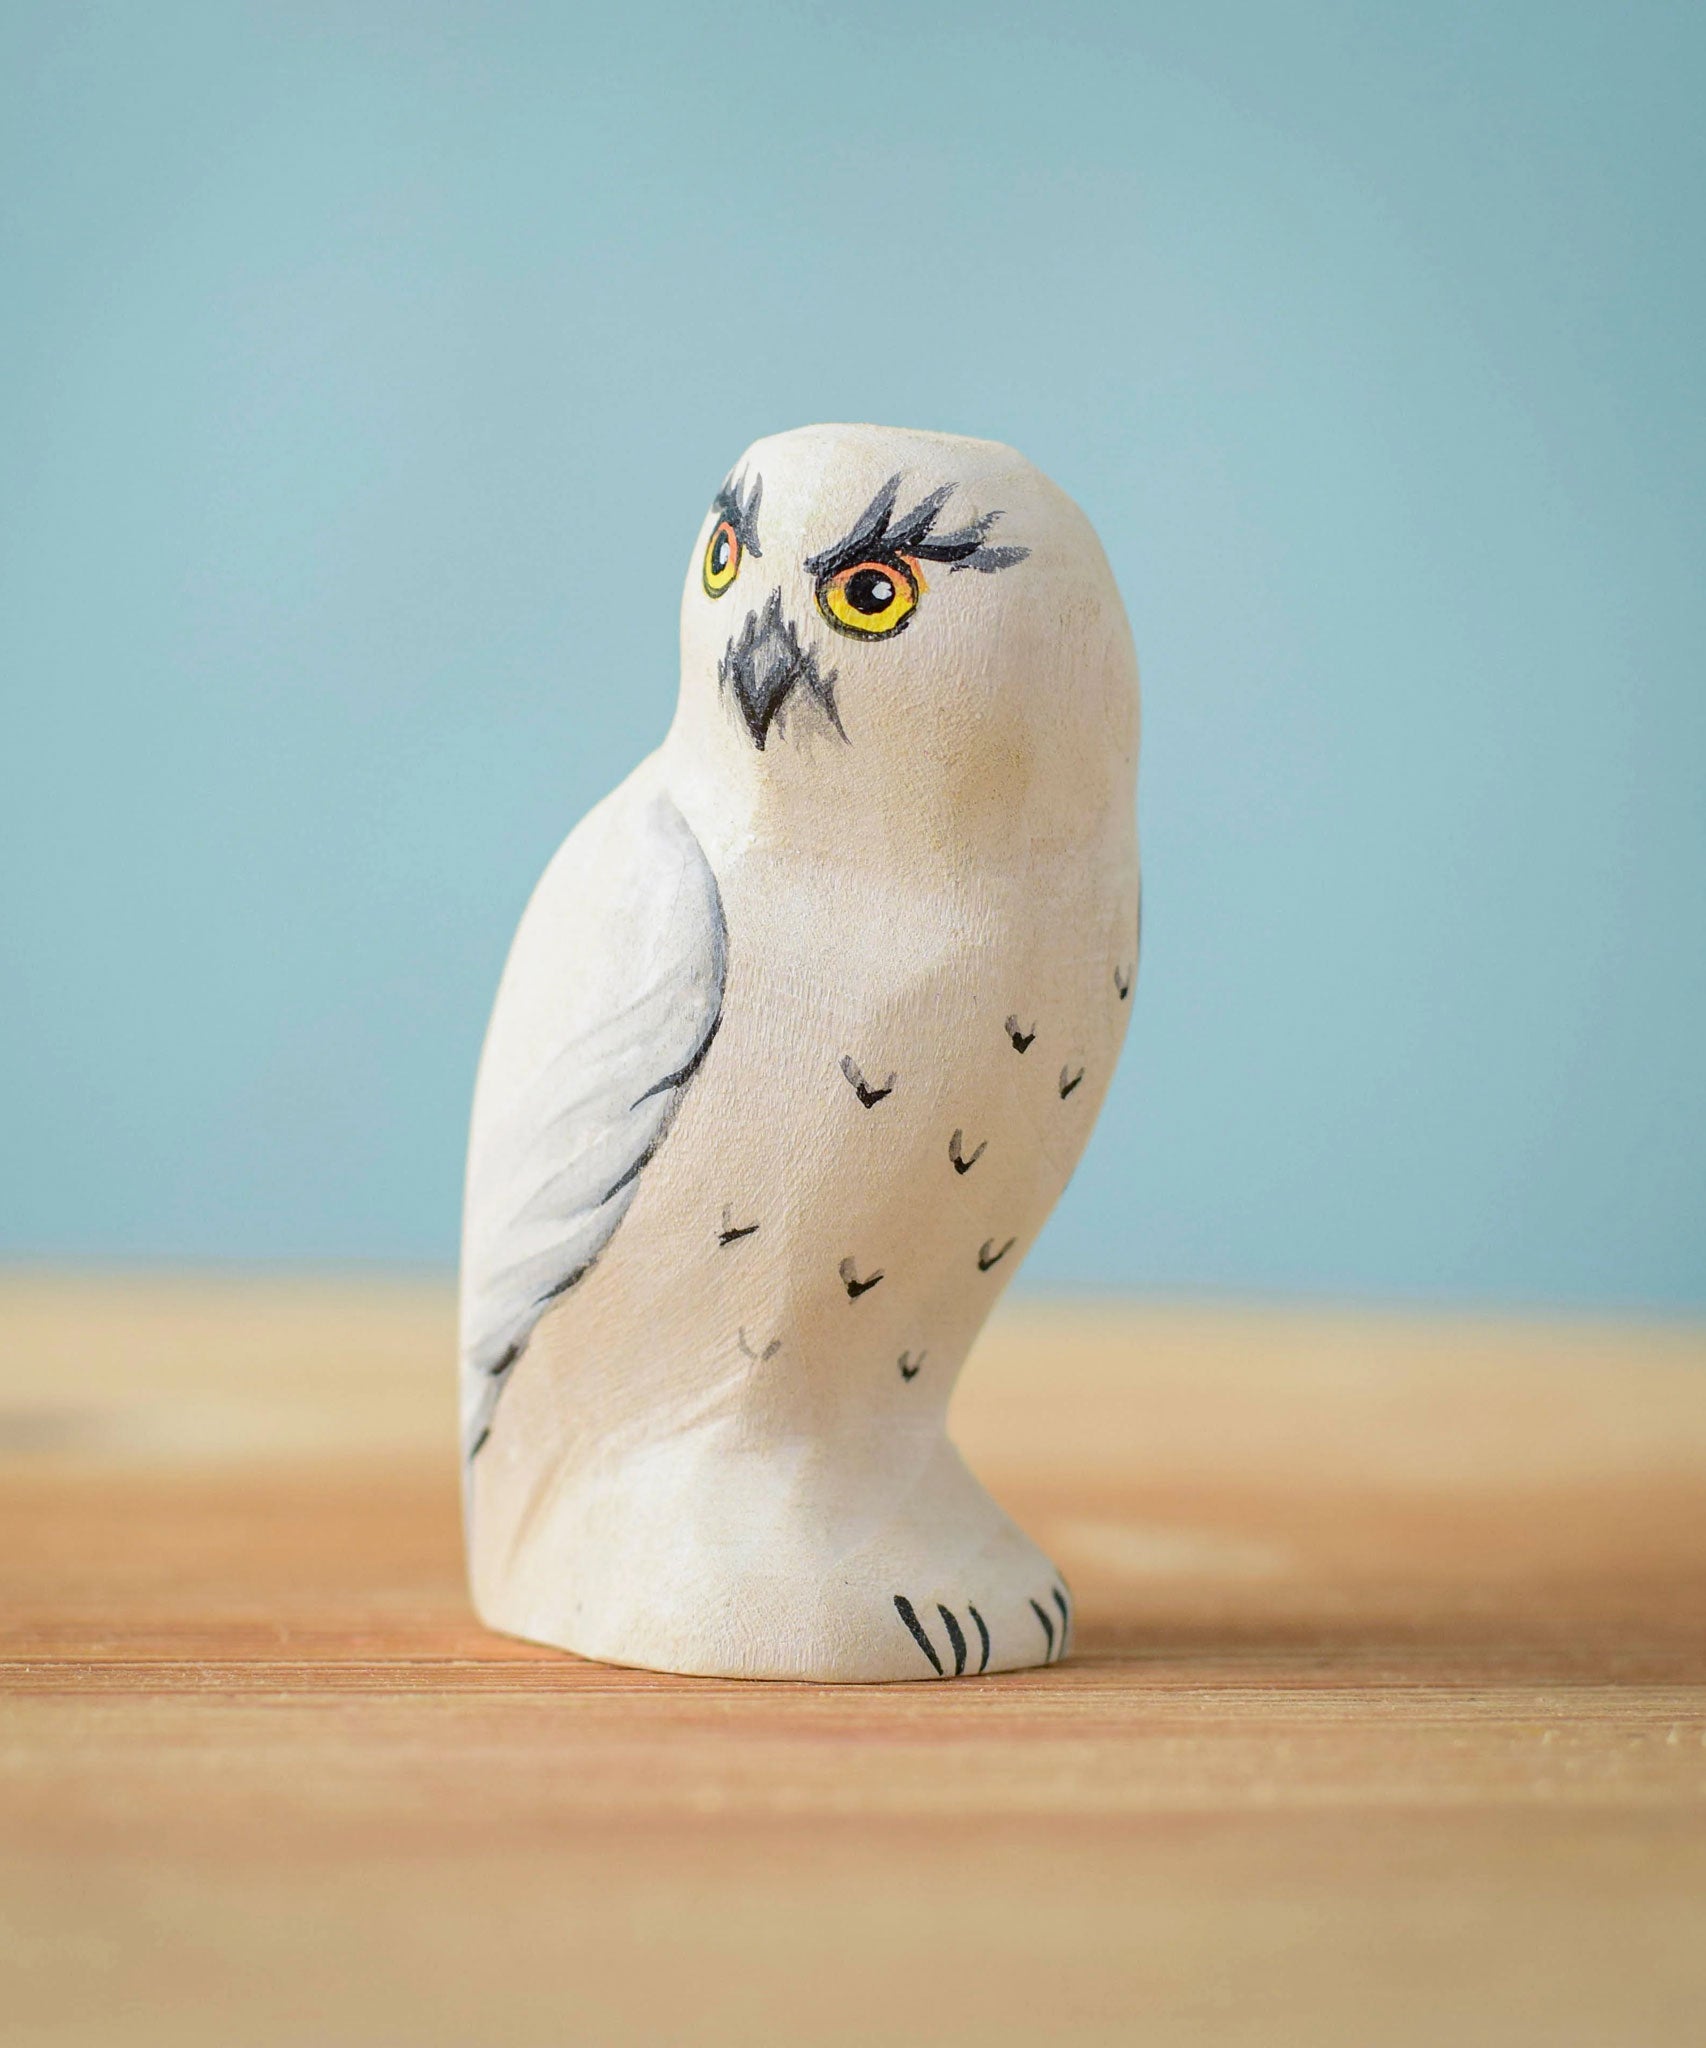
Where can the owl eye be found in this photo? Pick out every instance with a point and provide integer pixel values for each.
(722, 558)
(871, 599)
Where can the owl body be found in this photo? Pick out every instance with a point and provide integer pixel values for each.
(849, 1015)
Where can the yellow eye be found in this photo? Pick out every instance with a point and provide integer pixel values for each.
(870, 598)
(722, 558)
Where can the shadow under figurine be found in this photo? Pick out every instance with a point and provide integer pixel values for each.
(802, 1033)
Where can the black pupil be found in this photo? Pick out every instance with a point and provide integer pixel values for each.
(870, 591)
(720, 551)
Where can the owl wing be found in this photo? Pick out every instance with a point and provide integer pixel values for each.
(608, 1003)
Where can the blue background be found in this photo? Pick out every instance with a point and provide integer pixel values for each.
(367, 369)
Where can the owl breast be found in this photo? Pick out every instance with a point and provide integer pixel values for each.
(903, 1079)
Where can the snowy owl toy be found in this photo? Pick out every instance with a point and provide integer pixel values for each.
(802, 1033)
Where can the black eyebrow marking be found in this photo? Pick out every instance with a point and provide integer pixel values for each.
(741, 511)
(879, 535)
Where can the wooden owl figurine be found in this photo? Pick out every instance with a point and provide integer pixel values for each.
(802, 1033)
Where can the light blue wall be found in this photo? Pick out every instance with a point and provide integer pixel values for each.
(366, 370)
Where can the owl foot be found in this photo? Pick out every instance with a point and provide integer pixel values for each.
(865, 1563)
(972, 1655)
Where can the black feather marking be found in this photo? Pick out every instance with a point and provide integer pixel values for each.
(506, 1364)
(956, 1152)
(983, 1633)
(903, 1607)
(1048, 1630)
(954, 1637)
(867, 1095)
(682, 1075)
(552, 1293)
(730, 1232)
(851, 1281)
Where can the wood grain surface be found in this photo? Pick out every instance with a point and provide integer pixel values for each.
(1387, 1724)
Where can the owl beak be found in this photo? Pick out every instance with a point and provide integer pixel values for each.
(764, 663)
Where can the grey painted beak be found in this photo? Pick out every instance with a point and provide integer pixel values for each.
(762, 666)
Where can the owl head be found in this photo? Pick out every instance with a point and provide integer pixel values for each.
(918, 625)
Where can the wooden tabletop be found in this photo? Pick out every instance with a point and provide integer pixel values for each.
(1387, 1723)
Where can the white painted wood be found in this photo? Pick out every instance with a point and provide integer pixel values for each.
(800, 1038)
